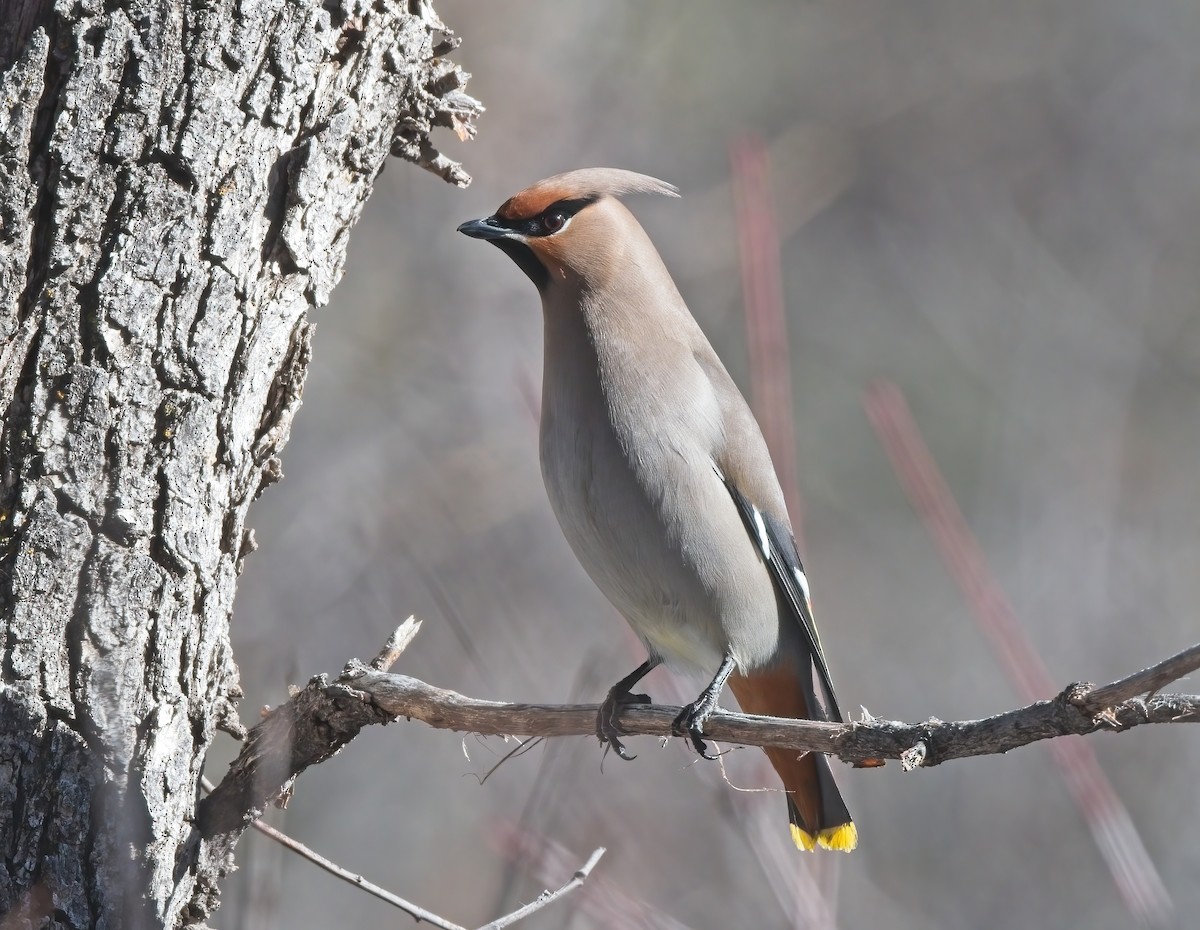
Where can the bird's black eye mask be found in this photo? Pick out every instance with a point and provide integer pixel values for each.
(550, 220)
(497, 230)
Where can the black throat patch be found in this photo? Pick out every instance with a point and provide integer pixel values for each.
(523, 255)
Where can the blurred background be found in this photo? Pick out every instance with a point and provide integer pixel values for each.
(994, 207)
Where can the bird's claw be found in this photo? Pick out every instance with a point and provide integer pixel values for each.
(690, 723)
(608, 727)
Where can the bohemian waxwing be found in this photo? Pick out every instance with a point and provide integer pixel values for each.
(661, 480)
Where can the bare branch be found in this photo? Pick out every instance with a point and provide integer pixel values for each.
(1075, 711)
(322, 717)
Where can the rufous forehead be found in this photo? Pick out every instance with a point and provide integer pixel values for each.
(580, 184)
(531, 201)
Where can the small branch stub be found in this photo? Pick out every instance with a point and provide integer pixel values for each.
(913, 758)
(405, 633)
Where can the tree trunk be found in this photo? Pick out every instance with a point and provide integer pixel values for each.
(177, 183)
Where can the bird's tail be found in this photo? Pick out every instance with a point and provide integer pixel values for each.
(816, 810)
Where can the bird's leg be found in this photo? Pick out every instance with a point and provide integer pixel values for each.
(608, 730)
(690, 721)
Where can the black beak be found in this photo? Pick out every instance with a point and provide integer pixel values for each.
(511, 243)
(488, 228)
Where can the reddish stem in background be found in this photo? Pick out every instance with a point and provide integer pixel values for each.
(808, 893)
(766, 319)
(1113, 830)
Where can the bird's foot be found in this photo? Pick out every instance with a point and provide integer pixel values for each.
(691, 720)
(608, 727)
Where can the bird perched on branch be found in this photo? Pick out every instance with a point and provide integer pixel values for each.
(661, 480)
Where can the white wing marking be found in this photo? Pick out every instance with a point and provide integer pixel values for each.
(760, 527)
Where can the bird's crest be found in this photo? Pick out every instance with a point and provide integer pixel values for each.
(582, 184)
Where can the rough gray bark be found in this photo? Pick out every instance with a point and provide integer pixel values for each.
(177, 183)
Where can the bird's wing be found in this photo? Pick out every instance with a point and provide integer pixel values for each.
(743, 464)
(778, 549)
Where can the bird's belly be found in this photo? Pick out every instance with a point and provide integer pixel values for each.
(687, 610)
(639, 573)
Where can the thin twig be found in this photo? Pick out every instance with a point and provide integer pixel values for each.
(548, 897)
(522, 747)
(603, 904)
(413, 910)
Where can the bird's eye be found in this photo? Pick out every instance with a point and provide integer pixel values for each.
(553, 222)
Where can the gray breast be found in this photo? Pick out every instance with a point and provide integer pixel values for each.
(630, 478)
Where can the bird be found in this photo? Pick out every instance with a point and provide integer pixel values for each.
(661, 482)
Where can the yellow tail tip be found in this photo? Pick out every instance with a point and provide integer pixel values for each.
(841, 838)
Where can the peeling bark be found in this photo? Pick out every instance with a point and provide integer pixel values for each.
(177, 184)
